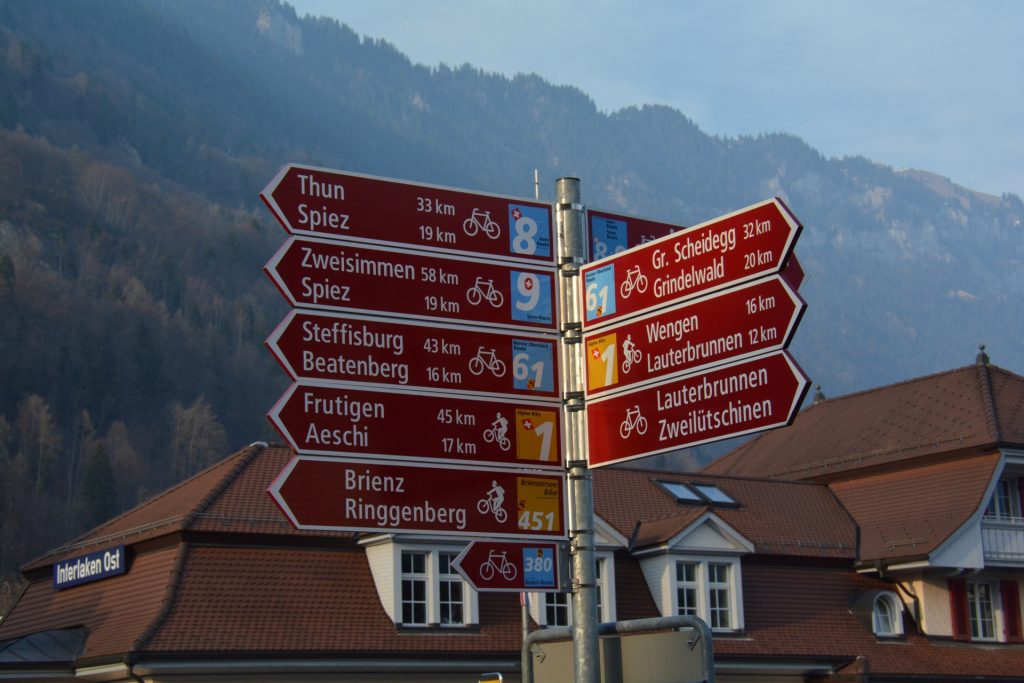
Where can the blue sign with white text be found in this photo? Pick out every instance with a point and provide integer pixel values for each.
(531, 297)
(539, 567)
(607, 237)
(101, 564)
(529, 233)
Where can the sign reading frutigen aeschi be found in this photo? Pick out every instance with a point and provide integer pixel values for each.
(399, 424)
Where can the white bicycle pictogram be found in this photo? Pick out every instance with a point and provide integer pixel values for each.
(634, 421)
(486, 359)
(497, 435)
(491, 503)
(481, 221)
(497, 563)
(635, 280)
(631, 355)
(484, 290)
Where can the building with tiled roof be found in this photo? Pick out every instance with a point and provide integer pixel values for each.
(932, 472)
(879, 538)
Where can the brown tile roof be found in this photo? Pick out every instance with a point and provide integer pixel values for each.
(971, 409)
(815, 622)
(306, 600)
(116, 611)
(229, 578)
(786, 518)
(910, 513)
(237, 597)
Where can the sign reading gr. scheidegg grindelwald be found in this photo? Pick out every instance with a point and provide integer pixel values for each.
(98, 565)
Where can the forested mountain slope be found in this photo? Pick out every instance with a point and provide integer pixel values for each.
(136, 136)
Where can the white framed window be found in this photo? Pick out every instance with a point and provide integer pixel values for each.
(414, 588)
(980, 611)
(451, 591)
(709, 588)
(430, 591)
(1003, 504)
(555, 609)
(719, 596)
(887, 615)
(686, 588)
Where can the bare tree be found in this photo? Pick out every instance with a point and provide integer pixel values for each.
(38, 437)
(198, 438)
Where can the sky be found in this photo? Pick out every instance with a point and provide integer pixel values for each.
(934, 85)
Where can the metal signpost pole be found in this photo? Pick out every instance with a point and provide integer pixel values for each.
(572, 254)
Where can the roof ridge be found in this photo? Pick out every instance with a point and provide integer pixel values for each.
(170, 594)
(246, 456)
(989, 402)
(890, 385)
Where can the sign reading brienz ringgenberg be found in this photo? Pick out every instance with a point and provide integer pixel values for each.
(497, 566)
(341, 276)
(749, 396)
(742, 246)
(368, 496)
(400, 424)
(94, 566)
(611, 233)
(389, 351)
(725, 326)
(324, 203)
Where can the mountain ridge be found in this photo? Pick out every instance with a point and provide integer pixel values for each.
(132, 238)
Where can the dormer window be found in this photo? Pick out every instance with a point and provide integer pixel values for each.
(887, 615)
(554, 609)
(879, 610)
(1004, 504)
(431, 593)
(708, 588)
(417, 584)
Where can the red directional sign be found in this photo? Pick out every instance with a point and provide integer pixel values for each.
(382, 351)
(368, 496)
(750, 396)
(793, 272)
(724, 252)
(496, 566)
(611, 233)
(721, 327)
(340, 276)
(400, 424)
(324, 203)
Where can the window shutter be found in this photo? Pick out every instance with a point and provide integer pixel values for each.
(1011, 611)
(958, 609)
